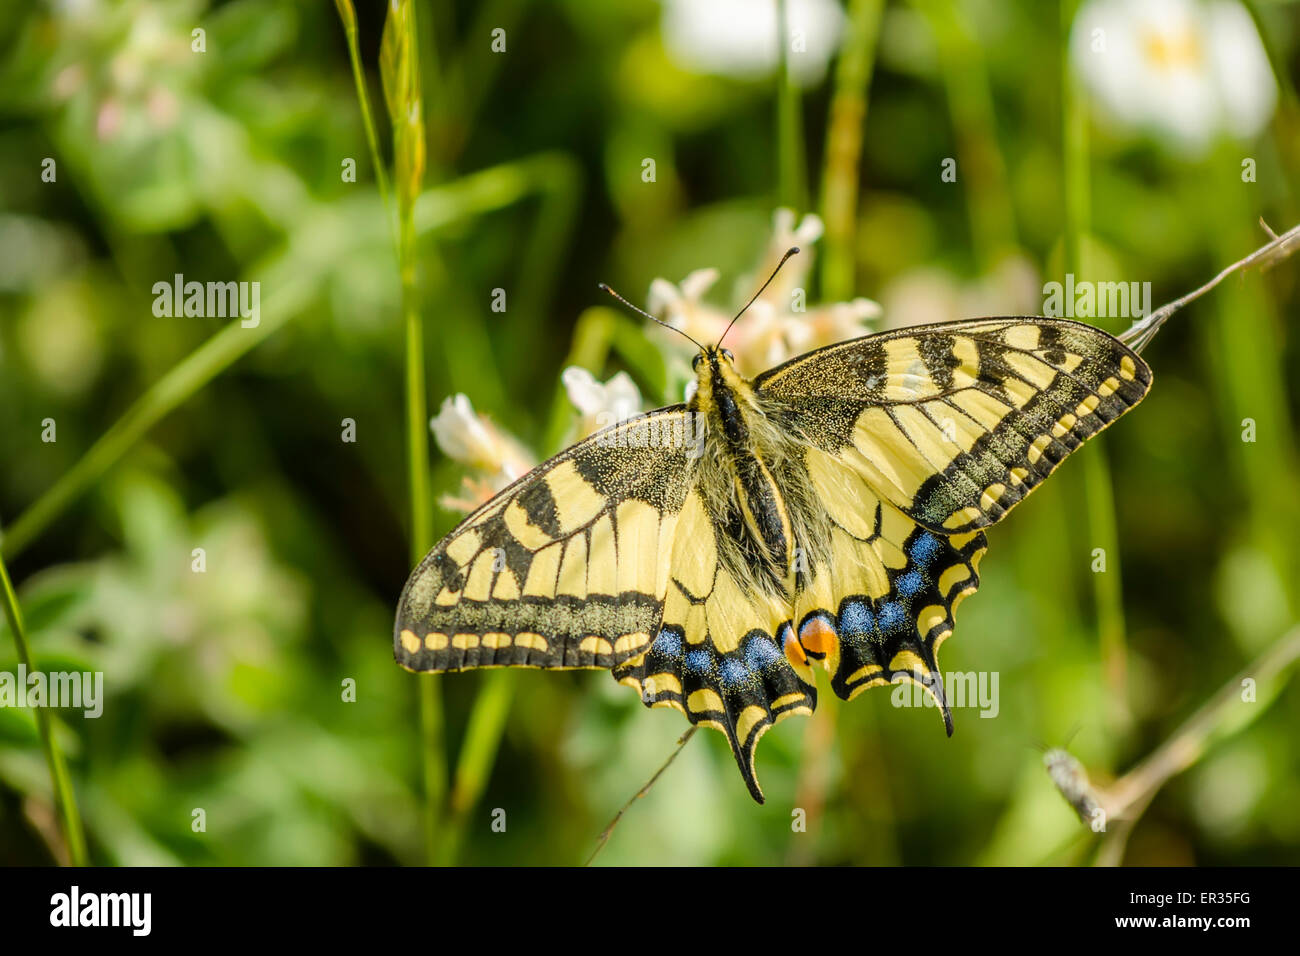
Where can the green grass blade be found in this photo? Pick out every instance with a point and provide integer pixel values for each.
(792, 179)
(1103, 530)
(64, 797)
(399, 68)
(349, 17)
(844, 133)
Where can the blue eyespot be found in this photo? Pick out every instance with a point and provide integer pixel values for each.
(761, 652)
(733, 672)
(669, 643)
(698, 661)
(924, 549)
(891, 616)
(855, 618)
(909, 583)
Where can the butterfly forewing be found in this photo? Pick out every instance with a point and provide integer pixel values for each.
(955, 423)
(568, 567)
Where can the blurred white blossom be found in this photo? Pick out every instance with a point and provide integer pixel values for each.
(739, 38)
(780, 324)
(930, 294)
(475, 440)
(1184, 70)
(600, 403)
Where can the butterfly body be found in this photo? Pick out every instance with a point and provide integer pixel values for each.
(829, 512)
(750, 477)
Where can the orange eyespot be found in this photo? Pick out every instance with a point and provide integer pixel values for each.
(817, 637)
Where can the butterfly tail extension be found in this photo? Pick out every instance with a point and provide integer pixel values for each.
(741, 693)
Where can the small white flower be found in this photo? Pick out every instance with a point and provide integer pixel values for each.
(780, 323)
(825, 324)
(470, 438)
(681, 307)
(460, 433)
(1184, 70)
(666, 297)
(600, 404)
(786, 234)
(739, 38)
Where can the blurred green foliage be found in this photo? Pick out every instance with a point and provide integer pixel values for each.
(226, 689)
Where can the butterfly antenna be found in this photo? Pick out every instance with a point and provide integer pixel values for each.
(604, 288)
(788, 253)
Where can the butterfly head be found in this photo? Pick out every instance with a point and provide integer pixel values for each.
(715, 372)
(713, 357)
(722, 394)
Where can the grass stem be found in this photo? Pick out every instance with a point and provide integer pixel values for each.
(64, 797)
(1102, 527)
(349, 17)
(844, 132)
(792, 183)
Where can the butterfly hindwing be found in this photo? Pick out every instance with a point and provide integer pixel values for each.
(718, 656)
(566, 568)
(955, 423)
(877, 608)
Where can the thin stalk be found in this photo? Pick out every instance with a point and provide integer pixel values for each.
(606, 833)
(349, 17)
(430, 686)
(399, 68)
(1102, 530)
(792, 185)
(844, 133)
(1212, 720)
(1139, 335)
(487, 721)
(1223, 715)
(69, 817)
